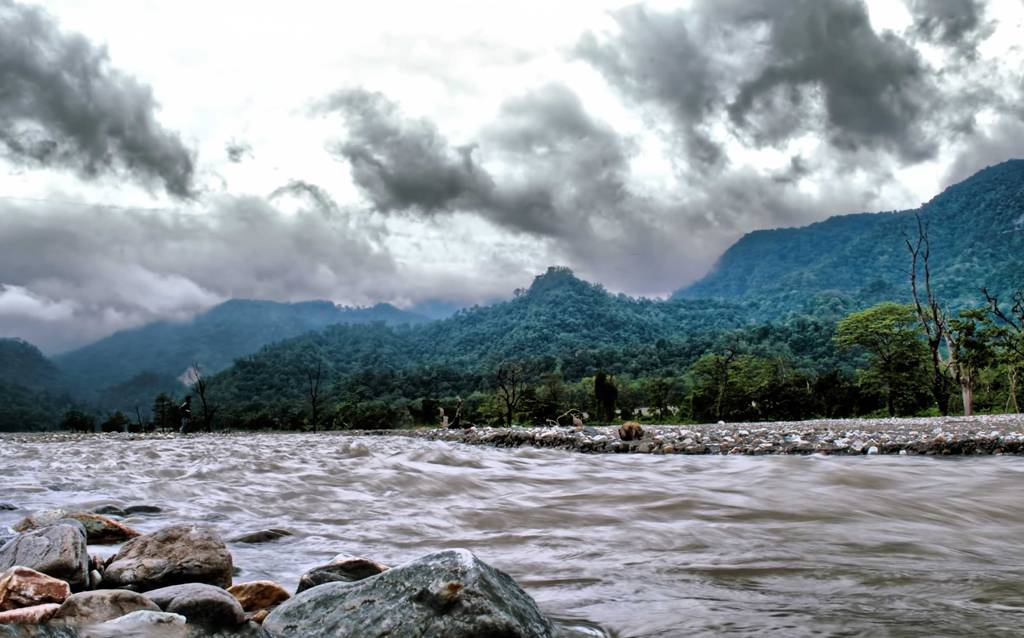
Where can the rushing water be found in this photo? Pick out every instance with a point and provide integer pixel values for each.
(640, 545)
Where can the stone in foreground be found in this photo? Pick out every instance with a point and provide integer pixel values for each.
(171, 556)
(452, 594)
(24, 587)
(343, 568)
(33, 615)
(262, 536)
(91, 607)
(59, 551)
(203, 605)
(259, 594)
(99, 529)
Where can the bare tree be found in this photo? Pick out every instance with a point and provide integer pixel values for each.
(313, 378)
(510, 381)
(929, 313)
(1010, 330)
(200, 388)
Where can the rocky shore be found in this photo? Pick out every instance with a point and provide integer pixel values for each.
(936, 436)
(178, 582)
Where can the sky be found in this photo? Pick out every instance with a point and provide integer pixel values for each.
(159, 158)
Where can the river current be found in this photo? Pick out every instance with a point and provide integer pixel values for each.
(638, 545)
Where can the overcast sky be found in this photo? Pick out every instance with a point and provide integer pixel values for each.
(160, 157)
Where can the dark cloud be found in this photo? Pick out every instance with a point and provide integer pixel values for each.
(955, 23)
(62, 105)
(777, 69)
(238, 151)
(401, 163)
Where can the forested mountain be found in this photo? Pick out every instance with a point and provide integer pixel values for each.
(32, 393)
(165, 350)
(561, 327)
(977, 236)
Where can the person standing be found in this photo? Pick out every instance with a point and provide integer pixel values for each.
(185, 414)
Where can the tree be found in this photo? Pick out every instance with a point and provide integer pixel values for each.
(1008, 335)
(969, 352)
(164, 413)
(929, 313)
(510, 383)
(78, 421)
(890, 334)
(313, 379)
(116, 422)
(199, 385)
(605, 395)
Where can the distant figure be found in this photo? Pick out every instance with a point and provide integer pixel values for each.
(577, 423)
(631, 431)
(185, 414)
(444, 418)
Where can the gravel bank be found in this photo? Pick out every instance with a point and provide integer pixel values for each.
(939, 436)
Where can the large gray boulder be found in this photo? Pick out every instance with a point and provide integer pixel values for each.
(91, 607)
(59, 551)
(171, 556)
(450, 594)
(203, 605)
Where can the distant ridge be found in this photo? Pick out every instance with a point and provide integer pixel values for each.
(214, 338)
(977, 235)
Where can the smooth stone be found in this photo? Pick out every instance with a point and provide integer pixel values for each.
(110, 510)
(171, 556)
(451, 593)
(146, 617)
(59, 551)
(90, 607)
(7, 507)
(34, 615)
(259, 594)
(201, 604)
(99, 529)
(343, 568)
(24, 587)
(142, 509)
(262, 536)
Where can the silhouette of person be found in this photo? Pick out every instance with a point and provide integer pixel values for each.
(185, 414)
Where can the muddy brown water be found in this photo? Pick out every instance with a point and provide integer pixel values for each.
(637, 545)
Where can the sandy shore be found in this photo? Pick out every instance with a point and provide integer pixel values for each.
(940, 436)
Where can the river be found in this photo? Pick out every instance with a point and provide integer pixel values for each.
(639, 545)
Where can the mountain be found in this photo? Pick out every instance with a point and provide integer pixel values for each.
(561, 325)
(32, 394)
(165, 350)
(976, 230)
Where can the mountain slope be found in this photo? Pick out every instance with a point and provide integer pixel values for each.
(976, 229)
(213, 339)
(31, 388)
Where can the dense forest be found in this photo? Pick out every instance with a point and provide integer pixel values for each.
(823, 321)
(976, 226)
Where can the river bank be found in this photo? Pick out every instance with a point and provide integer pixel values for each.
(932, 436)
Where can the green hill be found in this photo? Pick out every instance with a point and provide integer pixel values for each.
(165, 350)
(977, 236)
(32, 393)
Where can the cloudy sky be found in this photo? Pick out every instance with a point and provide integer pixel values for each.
(158, 158)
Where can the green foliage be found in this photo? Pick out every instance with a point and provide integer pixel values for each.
(977, 237)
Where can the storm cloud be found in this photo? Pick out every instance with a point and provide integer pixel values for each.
(778, 70)
(62, 105)
(954, 23)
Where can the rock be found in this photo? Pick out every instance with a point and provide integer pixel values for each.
(171, 556)
(34, 615)
(262, 536)
(451, 593)
(24, 587)
(59, 551)
(873, 450)
(343, 568)
(99, 529)
(7, 507)
(146, 617)
(204, 605)
(260, 616)
(631, 431)
(90, 607)
(259, 594)
(142, 509)
(110, 510)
